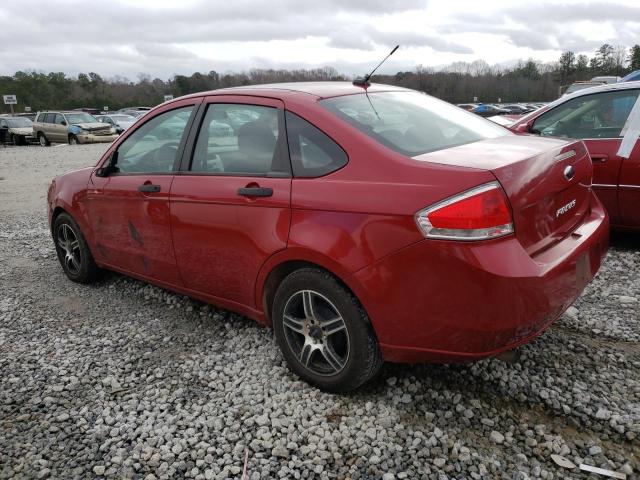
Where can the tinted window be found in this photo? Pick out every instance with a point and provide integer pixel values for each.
(49, 117)
(313, 153)
(153, 147)
(412, 123)
(240, 139)
(601, 115)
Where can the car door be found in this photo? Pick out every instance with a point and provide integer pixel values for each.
(129, 207)
(629, 190)
(59, 129)
(230, 203)
(597, 119)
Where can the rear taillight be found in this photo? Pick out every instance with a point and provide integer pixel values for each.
(477, 214)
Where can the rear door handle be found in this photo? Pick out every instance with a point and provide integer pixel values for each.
(255, 191)
(149, 188)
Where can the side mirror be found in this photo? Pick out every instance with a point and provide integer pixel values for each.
(109, 168)
(63, 122)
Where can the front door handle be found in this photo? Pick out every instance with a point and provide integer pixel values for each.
(599, 158)
(149, 188)
(255, 191)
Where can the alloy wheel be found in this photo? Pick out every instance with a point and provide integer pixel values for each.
(316, 332)
(68, 242)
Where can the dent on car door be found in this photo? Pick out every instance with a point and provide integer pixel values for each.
(598, 120)
(230, 206)
(129, 207)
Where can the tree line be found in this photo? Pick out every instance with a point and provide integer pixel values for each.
(459, 82)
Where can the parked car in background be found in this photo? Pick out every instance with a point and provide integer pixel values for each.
(89, 110)
(467, 106)
(17, 130)
(606, 79)
(289, 221)
(632, 77)
(488, 110)
(71, 127)
(516, 109)
(598, 117)
(576, 86)
(29, 115)
(118, 121)
(134, 109)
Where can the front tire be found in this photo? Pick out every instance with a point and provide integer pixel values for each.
(323, 332)
(73, 140)
(72, 250)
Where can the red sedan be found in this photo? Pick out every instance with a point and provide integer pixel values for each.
(363, 224)
(601, 116)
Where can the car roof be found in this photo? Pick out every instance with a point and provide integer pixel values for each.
(316, 90)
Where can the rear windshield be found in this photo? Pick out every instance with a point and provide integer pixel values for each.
(412, 123)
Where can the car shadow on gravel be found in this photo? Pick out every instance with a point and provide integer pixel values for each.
(626, 241)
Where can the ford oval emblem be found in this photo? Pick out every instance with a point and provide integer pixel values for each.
(569, 172)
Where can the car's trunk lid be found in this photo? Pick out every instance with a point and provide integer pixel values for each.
(548, 182)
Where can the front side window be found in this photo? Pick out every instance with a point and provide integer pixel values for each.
(49, 117)
(239, 139)
(412, 123)
(58, 119)
(600, 115)
(313, 154)
(153, 147)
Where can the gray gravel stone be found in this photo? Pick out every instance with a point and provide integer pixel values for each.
(125, 380)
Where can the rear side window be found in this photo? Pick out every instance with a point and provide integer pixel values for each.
(313, 154)
(600, 115)
(49, 117)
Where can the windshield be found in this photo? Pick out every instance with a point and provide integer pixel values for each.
(19, 122)
(80, 118)
(412, 123)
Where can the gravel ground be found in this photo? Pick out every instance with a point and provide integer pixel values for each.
(125, 380)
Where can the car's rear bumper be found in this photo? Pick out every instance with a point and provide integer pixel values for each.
(89, 138)
(451, 301)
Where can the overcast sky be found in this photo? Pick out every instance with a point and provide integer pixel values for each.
(166, 37)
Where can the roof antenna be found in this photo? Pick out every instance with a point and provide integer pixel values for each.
(364, 81)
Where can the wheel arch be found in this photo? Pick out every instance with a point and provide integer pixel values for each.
(278, 267)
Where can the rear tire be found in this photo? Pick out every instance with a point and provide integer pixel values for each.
(42, 139)
(323, 332)
(72, 250)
